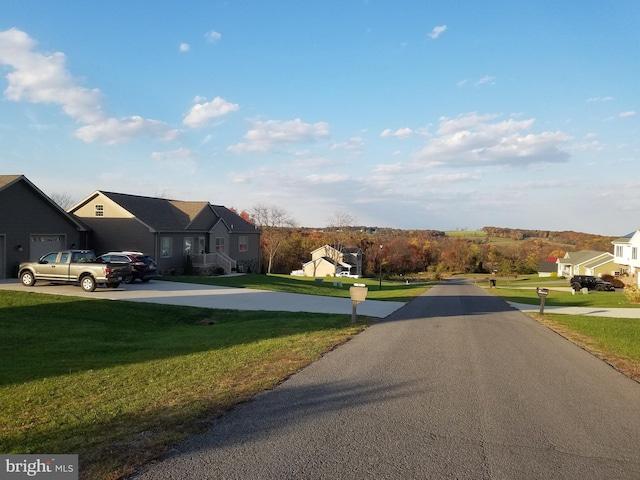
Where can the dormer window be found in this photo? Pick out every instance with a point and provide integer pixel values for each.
(99, 212)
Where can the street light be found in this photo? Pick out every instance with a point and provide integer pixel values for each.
(380, 261)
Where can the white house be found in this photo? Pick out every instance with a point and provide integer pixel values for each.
(625, 252)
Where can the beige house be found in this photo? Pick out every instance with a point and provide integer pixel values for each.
(329, 261)
(586, 262)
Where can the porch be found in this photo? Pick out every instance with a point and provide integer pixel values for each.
(215, 259)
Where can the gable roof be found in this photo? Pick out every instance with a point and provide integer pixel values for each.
(581, 257)
(7, 181)
(166, 215)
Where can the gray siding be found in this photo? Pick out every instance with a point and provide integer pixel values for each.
(25, 212)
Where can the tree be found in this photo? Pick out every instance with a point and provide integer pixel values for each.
(274, 223)
(64, 200)
(338, 229)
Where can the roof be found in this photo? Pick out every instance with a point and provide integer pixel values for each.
(625, 239)
(7, 180)
(162, 214)
(583, 256)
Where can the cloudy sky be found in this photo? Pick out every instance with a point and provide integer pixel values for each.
(407, 114)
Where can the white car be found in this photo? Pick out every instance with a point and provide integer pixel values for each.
(347, 274)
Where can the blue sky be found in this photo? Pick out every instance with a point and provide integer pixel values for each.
(408, 114)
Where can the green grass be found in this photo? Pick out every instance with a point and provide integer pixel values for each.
(559, 298)
(391, 291)
(615, 340)
(117, 382)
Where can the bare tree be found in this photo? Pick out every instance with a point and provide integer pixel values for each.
(274, 223)
(64, 200)
(339, 229)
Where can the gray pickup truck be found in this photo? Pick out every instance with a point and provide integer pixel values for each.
(73, 266)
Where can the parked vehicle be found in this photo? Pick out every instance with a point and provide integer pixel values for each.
(73, 266)
(579, 282)
(143, 267)
(346, 274)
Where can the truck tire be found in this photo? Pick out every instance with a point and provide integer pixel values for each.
(576, 286)
(599, 288)
(28, 279)
(87, 283)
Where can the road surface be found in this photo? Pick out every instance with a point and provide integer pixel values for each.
(456, 384)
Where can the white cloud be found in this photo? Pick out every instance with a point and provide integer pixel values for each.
(327, 178)
(627, 114)
(43, 78)
(112, 131)
(185, 47)
(600, 99)
(201, 113)
(212, 36)
(485, 79)
(353, 145)
(471, 139)
(265, 136)
(437, 31)
(400, 133)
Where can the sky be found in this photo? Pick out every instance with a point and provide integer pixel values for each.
(445, 115)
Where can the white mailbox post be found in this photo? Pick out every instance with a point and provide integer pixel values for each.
(358, 294)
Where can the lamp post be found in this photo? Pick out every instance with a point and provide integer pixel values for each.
(380, 261)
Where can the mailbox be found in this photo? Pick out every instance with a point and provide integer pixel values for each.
(542, 292)
(358, 293)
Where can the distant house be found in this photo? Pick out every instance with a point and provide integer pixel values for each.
(170, 230)
(31, 225)
(586, 262)
(329, 261)
(548, 267)
(625, 253)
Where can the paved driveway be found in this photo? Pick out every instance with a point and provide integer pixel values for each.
(187, 294)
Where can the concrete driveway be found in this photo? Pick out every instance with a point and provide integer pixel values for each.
(192, 295)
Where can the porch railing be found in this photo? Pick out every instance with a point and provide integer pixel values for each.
(215, 259)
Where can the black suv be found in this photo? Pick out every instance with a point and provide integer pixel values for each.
(143, 266)
(579, 282)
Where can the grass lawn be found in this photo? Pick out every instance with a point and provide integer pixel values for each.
(559, 298)
(117, 382)
(615, 340)
(391, 291)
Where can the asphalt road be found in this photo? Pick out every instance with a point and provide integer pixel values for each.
(456, 384)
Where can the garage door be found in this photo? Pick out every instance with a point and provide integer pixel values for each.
(43, 244)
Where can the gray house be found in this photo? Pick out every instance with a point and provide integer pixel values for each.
(31, 225)
(168, 230)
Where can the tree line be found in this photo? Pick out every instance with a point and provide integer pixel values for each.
(285, 246)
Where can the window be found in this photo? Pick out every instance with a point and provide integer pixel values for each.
(166, 247)
(634, 253)
(243, 243)
(99, 210)
(202, 245)
(187, 246)
(220, 244)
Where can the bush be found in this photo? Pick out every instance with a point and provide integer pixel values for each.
(616, 282)
(632, 292)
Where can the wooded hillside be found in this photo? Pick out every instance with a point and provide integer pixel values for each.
(406, 252)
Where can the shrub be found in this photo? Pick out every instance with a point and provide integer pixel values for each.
(616, 282)
(632, 292)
